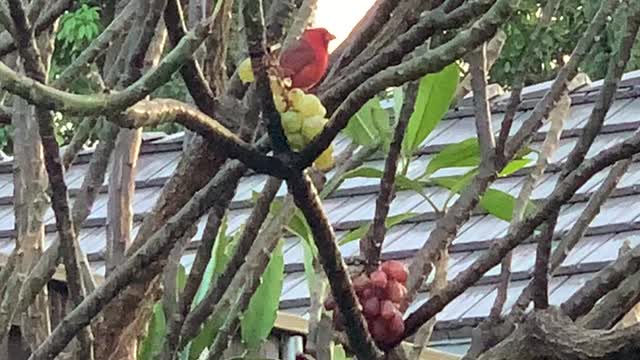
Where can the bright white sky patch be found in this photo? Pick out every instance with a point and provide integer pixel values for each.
(340, 16)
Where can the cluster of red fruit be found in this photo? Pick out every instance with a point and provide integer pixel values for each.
(380, 295)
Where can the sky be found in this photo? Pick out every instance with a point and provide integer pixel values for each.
(340, 16)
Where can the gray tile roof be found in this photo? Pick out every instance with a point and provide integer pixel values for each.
(353, 204)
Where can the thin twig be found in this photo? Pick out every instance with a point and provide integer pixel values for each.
(371, 243)
(519, 80)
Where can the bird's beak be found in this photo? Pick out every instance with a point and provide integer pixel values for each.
(330, 36)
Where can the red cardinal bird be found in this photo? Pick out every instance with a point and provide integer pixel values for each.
(306, 60)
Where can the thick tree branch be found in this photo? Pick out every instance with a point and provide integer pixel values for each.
(308, 202)
(612, 307)
(607, 279)
(154, 112)
(39, 94)
(551, 335)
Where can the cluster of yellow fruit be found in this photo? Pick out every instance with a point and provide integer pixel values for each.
(302, 115)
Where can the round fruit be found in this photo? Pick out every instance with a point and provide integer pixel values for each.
(395, 291)
(396, 326)
(330, 304)
(295, 98)
(245, 72)
(310, 105)
(371, 307)
(312, 126)
(291, 122)
(387, 310)
(378, 329)
(378, 279)
(296, 141)
(395, 270)
(368, 292)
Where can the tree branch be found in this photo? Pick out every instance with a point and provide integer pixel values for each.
(548, 11)
(603, 103)
(371, 243)
(550, 334)
(499, 249)
(614, 305)
(306, 199)
(248, 278)
(34, 67)
(157, 247)
(607, 279)
(361, 35)
(39, 94)
(223, 283)
(154, 112)
(478, 70)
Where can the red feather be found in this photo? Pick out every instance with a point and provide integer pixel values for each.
(306, 60)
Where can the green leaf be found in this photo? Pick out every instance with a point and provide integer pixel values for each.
(259, 318)
(367, 126)
(339, 353)
(434, 97)
(358, 233)
(205, 337)
(216, 265)
(496, 202)
(463, 154)
(181, 277)
(155, 334)
(514, 166)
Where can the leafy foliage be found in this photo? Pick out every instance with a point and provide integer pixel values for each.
(557, 42)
